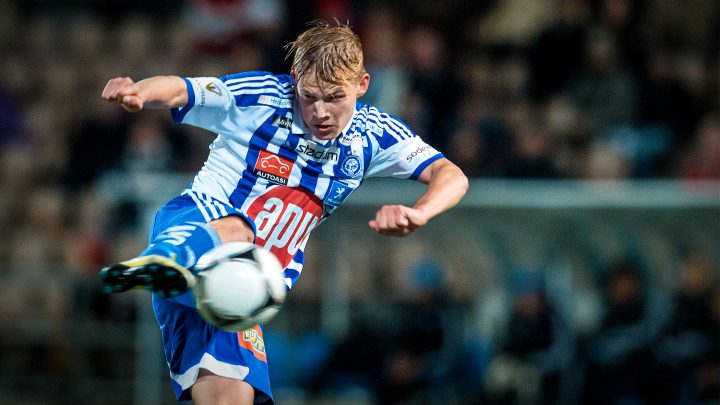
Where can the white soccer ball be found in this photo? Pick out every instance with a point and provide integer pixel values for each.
(239, 285)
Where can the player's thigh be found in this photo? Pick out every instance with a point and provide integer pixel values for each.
(232, 228)
(211, 389)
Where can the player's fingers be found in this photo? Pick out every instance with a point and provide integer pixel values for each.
(379, 225)
(402, 220)
(381, 220)
(132, 103)
(111, 88)
(118, 87)
(109, 92)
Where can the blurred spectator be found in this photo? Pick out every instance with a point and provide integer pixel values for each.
(703, 159)
(620, 366)
(384, 60)
(532, 147)
(533, 349)
(604, 90)
(94, 145)
(12, 125)
(624, 20)
(708, 376)
(666, 99)
(480, 143)
(513, 22)
(217, 26)
(434, 92)
(398, 354)
(154, 146)
(689, 342)
(556, 54)
(570, 136)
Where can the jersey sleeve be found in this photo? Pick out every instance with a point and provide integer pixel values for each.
(221, 104)
(398, 152)
(209, 101)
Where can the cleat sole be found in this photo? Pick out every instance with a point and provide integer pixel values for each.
(161, 276)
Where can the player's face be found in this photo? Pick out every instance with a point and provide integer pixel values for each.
(326, 109)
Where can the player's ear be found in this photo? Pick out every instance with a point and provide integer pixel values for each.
(363, 85)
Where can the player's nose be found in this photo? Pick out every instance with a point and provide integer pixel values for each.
(320, 110)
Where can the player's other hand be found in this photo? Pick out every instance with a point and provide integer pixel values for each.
(397, 220)
(124, 91)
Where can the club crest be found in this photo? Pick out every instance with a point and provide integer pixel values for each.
(351, 165)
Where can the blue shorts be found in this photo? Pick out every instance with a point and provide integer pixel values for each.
(189, 342)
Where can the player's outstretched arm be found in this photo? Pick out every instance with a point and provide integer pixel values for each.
(154, 92)
(446, 186)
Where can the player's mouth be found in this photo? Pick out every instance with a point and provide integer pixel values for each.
(324, 130)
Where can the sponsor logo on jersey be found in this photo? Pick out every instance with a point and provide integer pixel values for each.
(337, 193)
(351, 165)
(252, 339)
(273, 168)
(203, 96)
(347, 139)
(284, 217)
(212, 88)
(317, 153)
(371, 127)
(417, 152)
(276, 102)
(282, 122)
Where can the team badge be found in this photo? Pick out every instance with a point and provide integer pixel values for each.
(211, 88)
(337, 193)
(351, 165)
(273, 168)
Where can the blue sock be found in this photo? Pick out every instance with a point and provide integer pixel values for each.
(184, 243)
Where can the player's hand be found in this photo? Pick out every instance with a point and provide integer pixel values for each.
(397, 220)
(124, 91)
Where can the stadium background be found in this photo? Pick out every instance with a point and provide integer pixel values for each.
(581, 268)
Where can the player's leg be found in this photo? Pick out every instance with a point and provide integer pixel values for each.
(233, 229)
(163, 267)
(207, 363)
(211, 389)
(183, 231)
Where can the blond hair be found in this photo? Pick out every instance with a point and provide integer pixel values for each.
(332, 53)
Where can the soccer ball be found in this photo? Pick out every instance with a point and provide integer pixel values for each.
(239, 285)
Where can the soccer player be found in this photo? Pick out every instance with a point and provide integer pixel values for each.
(289, 151)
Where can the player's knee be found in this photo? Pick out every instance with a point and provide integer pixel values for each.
(233, 229)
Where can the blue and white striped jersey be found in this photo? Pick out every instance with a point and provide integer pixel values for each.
(268, 165)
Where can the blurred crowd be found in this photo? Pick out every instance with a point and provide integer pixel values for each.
(641, 345)
(541, 89)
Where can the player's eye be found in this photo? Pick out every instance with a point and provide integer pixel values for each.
(334, 97)
(308, 97)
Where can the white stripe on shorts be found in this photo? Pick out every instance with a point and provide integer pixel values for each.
(215, 366)
(209, 208)
(199, 204)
